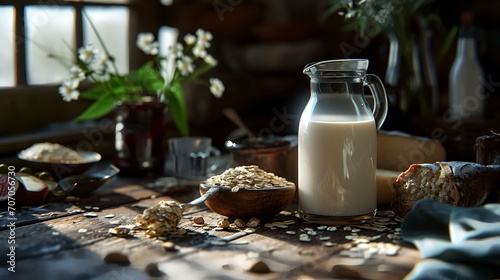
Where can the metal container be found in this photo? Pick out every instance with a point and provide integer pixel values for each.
(270, 154)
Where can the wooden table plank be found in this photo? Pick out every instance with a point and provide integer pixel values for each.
(118, 191)
(58, 248)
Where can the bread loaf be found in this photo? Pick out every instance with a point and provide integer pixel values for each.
(397, 150)
(385, 180)
(457, 183)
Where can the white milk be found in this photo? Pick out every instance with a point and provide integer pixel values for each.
(337, 166)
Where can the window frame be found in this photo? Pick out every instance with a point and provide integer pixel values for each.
(28, 110)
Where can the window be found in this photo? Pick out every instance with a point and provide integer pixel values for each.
(7, 77)
(30, 30)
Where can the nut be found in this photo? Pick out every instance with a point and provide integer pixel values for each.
(239, 223)
(115, 257)
(223, 223)
(253, 222)
(199, 220)
(260, 267)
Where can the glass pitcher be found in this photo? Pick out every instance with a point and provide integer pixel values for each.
(338, 143)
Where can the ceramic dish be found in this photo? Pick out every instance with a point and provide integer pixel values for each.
(61, 170)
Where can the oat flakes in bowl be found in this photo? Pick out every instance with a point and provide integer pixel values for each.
(248, 191)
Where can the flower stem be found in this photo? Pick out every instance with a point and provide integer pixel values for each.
(106, 51)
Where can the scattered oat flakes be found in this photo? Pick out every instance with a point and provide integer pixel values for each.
(119, 231)
(90, 215)
(312, 232)
(249, 230)
(280, 225)
(248, 177)
(303, 237)
(82, 230)
(160, 219)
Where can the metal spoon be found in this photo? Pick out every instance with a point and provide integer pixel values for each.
(86, 183)
(212, 190)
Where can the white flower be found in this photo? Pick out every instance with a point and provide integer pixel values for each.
(199, 50)
(210, 60)
(204, 37)
(87, 54)
(216, 87)
(99, 65)
(69, 91)
(185, 65)
(103, 76)
(76, 73)
(176, 50)
(190, 39)
(146, 43)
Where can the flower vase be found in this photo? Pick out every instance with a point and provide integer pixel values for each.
(411, 79)
(140, 137)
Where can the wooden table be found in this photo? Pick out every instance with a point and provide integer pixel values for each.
(61, 241)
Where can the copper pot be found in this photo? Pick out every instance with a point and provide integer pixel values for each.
(271, 154)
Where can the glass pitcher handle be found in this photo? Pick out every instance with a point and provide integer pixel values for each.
(379, 98)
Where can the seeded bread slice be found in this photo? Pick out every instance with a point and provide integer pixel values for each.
(457, 183)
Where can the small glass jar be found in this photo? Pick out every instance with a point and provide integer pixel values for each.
(140, 137)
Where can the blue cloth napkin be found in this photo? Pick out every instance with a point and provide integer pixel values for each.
(454, 242)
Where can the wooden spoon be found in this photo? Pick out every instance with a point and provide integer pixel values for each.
(235, 118)
(247, 203)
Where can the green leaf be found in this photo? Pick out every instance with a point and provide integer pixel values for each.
(93, 93)
(99, 108)
(336, 6)
(177, 108)
(447, 44)
(116, 87)
(148, 78)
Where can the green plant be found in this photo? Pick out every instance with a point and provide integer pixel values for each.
(400, 20)
(162, 76)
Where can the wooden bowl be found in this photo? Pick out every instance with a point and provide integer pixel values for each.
(247, 203)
